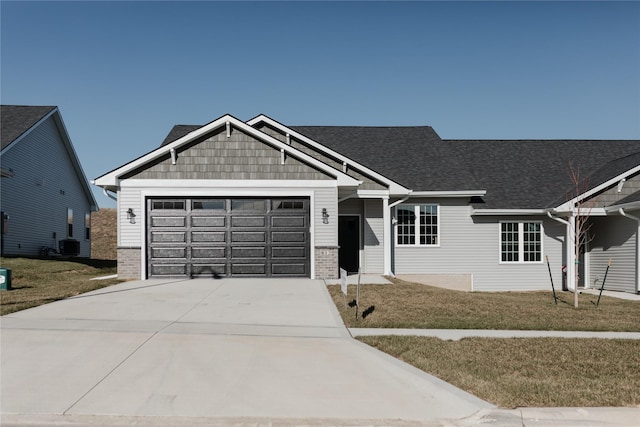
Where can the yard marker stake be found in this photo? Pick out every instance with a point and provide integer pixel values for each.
(603, 280)
(555, 299)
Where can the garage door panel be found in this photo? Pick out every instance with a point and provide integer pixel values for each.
(238, 252)
(208, 221)
(207, 253)
(168, 221)
(168, 269)
(219, 269)
(249, 236)
(288, 222)
(248, 221)
(168, 237)
(288, 236)
(169, 252)
(208, 236)
(288, 252)
(288, 269)
(248, 269)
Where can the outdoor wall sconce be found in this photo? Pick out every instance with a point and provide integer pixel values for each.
(131, 216)
(325, 216)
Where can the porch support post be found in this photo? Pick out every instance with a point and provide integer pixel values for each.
(386, 236)
(571, 253)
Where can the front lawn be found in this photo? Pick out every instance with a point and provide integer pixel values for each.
(39, 281)
(534, 372)
(411, 305)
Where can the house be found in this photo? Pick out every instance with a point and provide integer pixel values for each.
(46, 200)
(259, 198)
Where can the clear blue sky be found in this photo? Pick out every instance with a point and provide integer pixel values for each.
(123, 73)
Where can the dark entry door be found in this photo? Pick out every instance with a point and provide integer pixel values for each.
(349, 242)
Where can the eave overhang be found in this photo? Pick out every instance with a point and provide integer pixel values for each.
(508, 212)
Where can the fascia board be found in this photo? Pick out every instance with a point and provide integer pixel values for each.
(112, 177)
(456, 193)
(226, 183)
(493, 212)
(394, 187)
(630, 205)
(569, 204)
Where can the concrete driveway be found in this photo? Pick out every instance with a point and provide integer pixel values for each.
(230, 349)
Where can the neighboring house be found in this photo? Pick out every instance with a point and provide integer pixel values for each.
(263, 199)
(46, 200)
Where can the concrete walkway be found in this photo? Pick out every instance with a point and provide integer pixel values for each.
(208, 352)
(458, 334)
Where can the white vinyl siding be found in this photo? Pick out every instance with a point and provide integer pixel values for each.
(37, 196)
(469, 245)
(373, 237)
(614, 238)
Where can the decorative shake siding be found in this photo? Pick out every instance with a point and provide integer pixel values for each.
(37, 196)
(613, 238)
(238, 157)
(470, 245)
(612, 195)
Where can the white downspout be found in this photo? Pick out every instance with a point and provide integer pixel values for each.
(106, 193)
(623, 213)
(570, 254)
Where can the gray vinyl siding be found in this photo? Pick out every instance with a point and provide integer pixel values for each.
(37, 197)
(470, 245)
(613, 238)
(326, 234)
(368, 183)
(238, 157)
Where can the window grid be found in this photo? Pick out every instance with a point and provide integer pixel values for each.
(520, 242)
(417, 225)
(532, 250)
(406, 225)
(510, 242)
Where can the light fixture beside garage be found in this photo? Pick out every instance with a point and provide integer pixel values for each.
(325, 216)
(173, 156)
(131, 216)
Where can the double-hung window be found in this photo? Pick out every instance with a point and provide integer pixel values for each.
(417, 225)
(520, 241)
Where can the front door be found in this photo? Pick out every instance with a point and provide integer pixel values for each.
(349, 242)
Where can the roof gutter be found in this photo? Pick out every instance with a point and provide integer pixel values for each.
(489, 212)
(397, 202)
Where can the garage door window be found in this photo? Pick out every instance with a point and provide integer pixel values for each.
(288, 204)
(249, 205)
(212, 204)
(168, 204)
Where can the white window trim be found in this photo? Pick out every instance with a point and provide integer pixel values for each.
(417, 227)
(520, 242)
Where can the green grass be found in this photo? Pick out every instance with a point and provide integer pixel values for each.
(534, 372)
(38, 281)
(411, 305)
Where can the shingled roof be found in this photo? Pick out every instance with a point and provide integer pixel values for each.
(535, 174)
(517, 174)
(15, 120)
